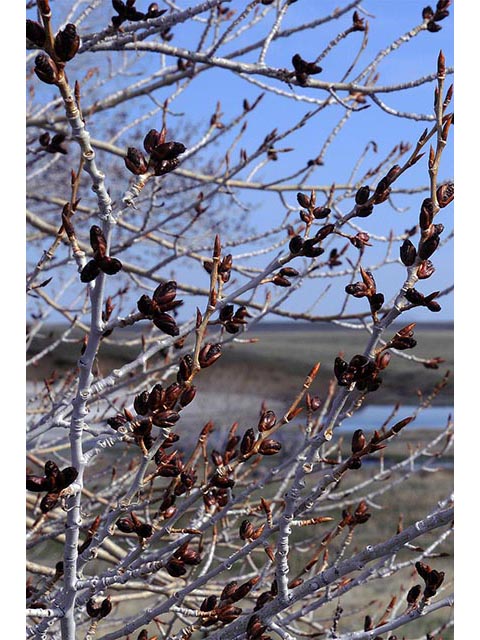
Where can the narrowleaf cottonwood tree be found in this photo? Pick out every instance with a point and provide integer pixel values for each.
(148, 520)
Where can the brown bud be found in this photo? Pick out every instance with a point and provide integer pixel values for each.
(414, 594)
(228, 590)
(425, 270)
(281, 281)
(222, 481)
(166, 323)
(408, 253)
(65, 478)
(98, 242)
(269, 447)
(209, 354)
(428, 247)
(296, 244)
(161, 167)
(187, 396)
(289, 271)
(362, 195)
(37, 483)
(357, 289)
(185, 368)
(172, 393)
(125, 525)
(303, 200)
(267, 421)
(135, 161)
(401, 424)
(324, 231)
(319, 213)
(90, 271)
(67, 43)
(367, 623)
(36, 33)
(445, 194)
(426, 213)
(140, 403)
(246, 530)
(175, 567)
(255, 628)
(383, 360)
(110, 266)
(93, 610)
(358, 441)
(360, 240)
(229, 613)
(248, 442)
(145, 305)
(105, 607)
(49, 502)
(209, 603)
(45, 69)
(433, 27)
(153, 139)
(243, 589)
(165, 293)
(167, 151)
(415, 297)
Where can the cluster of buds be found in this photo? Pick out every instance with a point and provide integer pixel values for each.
(248, 532)
(224, 267)
(232, 320)
(99, 611)
(310, 212)
(175, 565)
(100, 262)
(309, 248)
(54, 481)
(363, 206)
(361, 371)
(222, 608)
(159, 403)
(382, 190)
(358, 23)
(403, 339)
(367, 289)
(128, 11)
(360, 446)
(53, 145)
(280, 279)
(132, 524)
(434, 17)
(430, 232)
(304, 69)
(359, 516)
(360, 240)
(65, 46)
(417, 299)
(156, 307)
(259, 444)
(163, 156)
(433, 579)
(217, 612)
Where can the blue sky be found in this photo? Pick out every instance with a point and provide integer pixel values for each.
(388, 21)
